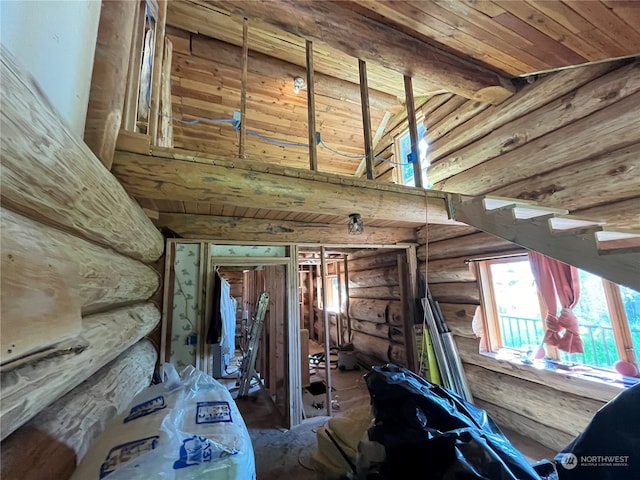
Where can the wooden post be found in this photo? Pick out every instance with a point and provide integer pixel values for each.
(408, 319)
(347, 300)
(156, 75)
(165, 134)
(243, 87)
(339, 318)
(109, 78)
(167, 299)
(311, 109)
(327, 339)
(366, 120)
(130, 114)
(413, 131)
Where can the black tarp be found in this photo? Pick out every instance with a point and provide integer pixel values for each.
(430, 432)
(609, 448)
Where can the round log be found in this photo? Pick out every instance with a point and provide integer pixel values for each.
(395, 314)
(370, 345)
(29, 388)
(374, 278)
(104, 277)
(380, 330)
(52, 443)
(388, 292)
(384, 259)
(50, 175)
(368, 309)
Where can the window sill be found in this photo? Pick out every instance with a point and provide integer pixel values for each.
(586, 381)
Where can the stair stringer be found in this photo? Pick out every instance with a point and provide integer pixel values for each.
(580, 248)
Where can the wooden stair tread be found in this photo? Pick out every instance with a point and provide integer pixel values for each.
(569, 222)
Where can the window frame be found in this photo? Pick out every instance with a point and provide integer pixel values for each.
(401, 160)
(491, 323)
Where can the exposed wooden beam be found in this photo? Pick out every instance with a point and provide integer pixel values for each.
(373, 41)
(311, 108)
(261, 230)
(187, 177)
(366, 120)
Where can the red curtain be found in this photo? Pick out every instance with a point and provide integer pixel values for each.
(557, 280)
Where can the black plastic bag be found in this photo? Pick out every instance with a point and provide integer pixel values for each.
(609, 448)
(430, 432)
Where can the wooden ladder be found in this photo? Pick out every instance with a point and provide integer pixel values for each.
(588, 244)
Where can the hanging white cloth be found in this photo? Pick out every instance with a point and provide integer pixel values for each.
(228, 311)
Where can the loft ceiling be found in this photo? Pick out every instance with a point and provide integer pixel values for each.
(453, 50)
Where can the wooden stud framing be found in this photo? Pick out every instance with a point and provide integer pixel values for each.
(311, 109)
(413, 131)
(130, 112)
(366, 120)
(243, 88)
(327, 337)
(619, 322)
(158, 53)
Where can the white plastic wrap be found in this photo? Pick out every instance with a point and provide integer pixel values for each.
(186, 428)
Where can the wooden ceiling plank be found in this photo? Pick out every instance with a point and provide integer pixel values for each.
(377, 43)
(494, 40)
(558, 54)
(417, 19)
(605, 20)
(539, 20)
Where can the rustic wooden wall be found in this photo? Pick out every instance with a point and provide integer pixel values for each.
(376, 306)
(569, 140)
(76, 284)
(206, 80)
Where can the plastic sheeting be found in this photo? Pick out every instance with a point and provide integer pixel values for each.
(429, 432)
(186, 428)
(609, 448)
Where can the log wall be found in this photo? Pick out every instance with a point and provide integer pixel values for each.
(569, 140)
(376, 312)
(77, 275)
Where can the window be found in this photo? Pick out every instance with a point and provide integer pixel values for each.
(404, 149)
(608, 314)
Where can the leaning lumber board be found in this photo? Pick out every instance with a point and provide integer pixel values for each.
(104, 278)
(40, 302)
(52, 443)
(50, 175)
(29, 388)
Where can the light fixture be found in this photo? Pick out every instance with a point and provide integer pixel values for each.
(298, 84)
(356, 225)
